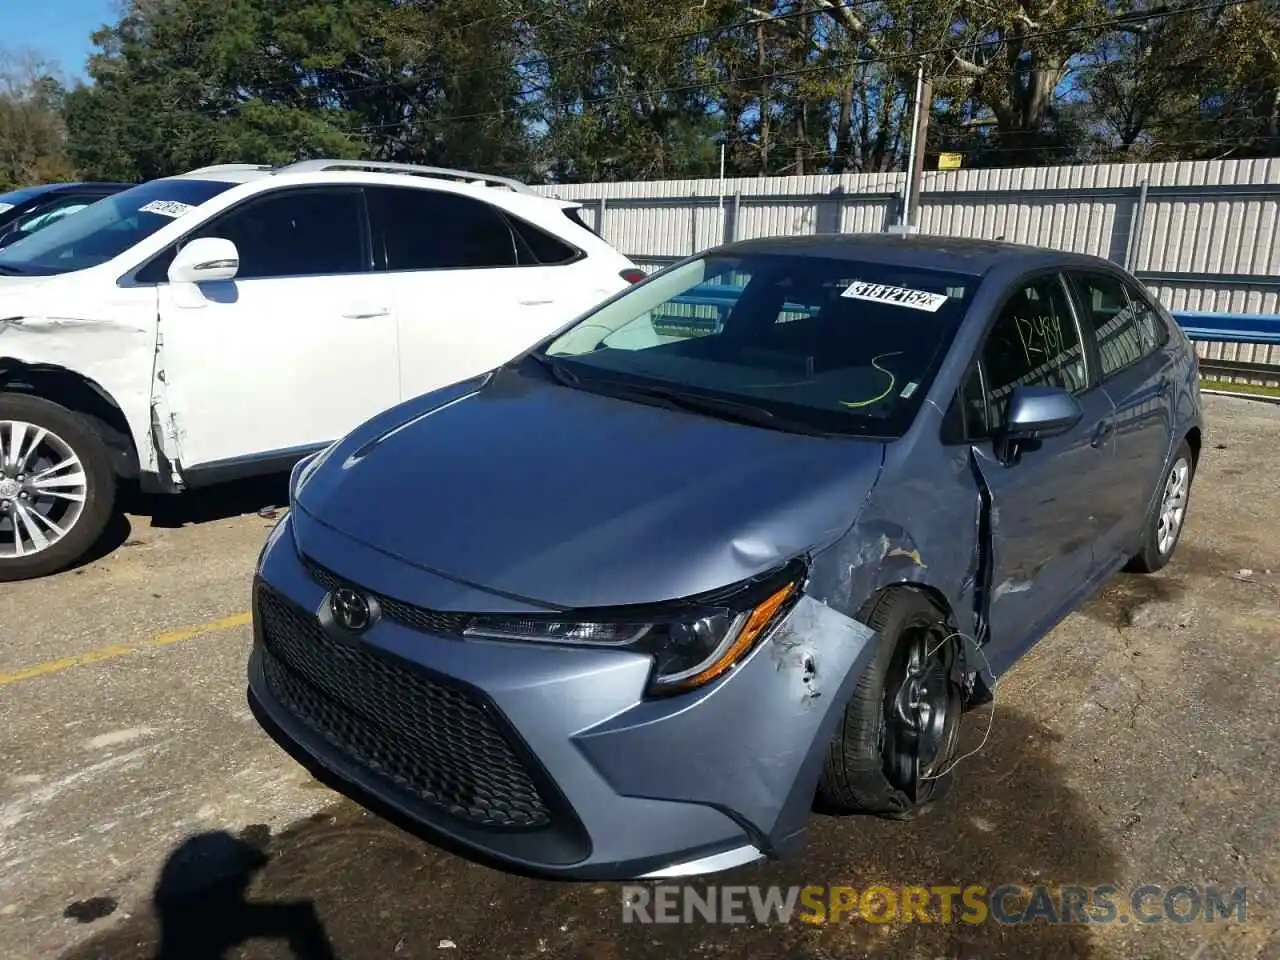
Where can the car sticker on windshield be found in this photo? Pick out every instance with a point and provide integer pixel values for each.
(167, 208)
(6, 207)
(899, 296)
(909, 390)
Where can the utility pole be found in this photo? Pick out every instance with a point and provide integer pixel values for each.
(915, 154)
(921, 136)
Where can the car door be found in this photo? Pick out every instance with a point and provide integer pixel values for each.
(467, 291)
(294, 352)
(1137, 375)
(1050, 499)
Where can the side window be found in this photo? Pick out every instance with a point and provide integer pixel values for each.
(294, 234)
(1126, 327)
(435, 230)
(538, 246)
(1033, 342)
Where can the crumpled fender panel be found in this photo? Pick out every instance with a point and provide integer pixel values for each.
(117, 357)
(752, 746)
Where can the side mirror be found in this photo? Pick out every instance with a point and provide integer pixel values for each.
(1039, 412)
(208, 258)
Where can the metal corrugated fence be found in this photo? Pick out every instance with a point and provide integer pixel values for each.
(1201, 235)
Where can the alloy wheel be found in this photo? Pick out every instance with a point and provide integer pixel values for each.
(1173, 506)
(43, 488)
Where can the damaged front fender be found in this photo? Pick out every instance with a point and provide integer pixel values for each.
(782, 707)
(113, 354)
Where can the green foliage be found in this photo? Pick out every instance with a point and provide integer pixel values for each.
(606, 89)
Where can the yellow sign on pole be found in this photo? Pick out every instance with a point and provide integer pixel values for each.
(948, 161)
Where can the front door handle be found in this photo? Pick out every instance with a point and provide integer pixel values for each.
(1101, 432)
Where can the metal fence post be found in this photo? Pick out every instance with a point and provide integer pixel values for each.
(1135, 227)
(734, 208)
(600, 216)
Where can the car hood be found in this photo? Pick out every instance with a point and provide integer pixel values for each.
(572, 499)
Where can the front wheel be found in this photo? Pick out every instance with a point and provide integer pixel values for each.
(57, 487)
(893, 753)
(1164, 527)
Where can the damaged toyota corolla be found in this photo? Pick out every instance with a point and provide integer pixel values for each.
(752, 534)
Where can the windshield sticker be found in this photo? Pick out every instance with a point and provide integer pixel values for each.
(899, 296)
(909, 390)
(6, 207)
(166, 208)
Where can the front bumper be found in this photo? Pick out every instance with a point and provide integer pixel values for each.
(544, 758)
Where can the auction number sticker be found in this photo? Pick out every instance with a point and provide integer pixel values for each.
(899, 296)
(167, 208)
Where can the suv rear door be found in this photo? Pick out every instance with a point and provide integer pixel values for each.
(472, 285)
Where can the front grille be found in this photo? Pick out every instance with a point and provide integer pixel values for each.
(416, 618)
(436, 739)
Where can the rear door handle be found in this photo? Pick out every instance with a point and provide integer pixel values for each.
(1101, 432)
(365, 313)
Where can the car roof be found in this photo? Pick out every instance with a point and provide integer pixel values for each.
(956, 254)
(508, 192)
(42, 189)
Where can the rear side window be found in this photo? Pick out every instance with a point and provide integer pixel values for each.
(1125, 326)
(575, 214)
(538, 246)
(434, 230)
(1033, 342)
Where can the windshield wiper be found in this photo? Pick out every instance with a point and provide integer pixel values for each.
(734, 410)
(558, 370)
(12, 271)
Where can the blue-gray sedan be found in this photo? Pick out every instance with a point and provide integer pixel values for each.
(756, 531)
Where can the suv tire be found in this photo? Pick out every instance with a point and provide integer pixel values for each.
(59, 487)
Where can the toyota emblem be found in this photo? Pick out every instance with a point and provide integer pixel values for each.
(350, 610)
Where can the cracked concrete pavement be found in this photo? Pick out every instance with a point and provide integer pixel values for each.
(1138, 743)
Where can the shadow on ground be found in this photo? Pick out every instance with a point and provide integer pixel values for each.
(347, 884)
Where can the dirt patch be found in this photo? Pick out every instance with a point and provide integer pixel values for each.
(348, 884)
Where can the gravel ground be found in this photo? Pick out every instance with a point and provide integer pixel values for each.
(1138, 743)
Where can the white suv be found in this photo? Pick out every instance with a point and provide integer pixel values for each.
(233, 319)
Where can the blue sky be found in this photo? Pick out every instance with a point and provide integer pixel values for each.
(56, 29)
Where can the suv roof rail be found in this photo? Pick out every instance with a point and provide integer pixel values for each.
(379, 166)
(227, 168)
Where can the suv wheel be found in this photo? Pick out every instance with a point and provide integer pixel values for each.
(893, 753)
(1164, 527)
(57, 487)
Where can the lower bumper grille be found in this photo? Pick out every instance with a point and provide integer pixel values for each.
(439, 740)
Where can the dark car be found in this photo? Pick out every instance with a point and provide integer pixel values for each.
(24, 211)
(759, 528)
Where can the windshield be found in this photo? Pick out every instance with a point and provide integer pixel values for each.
(107, 228)
(837, 345)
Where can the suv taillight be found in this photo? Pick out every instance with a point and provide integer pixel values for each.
(632, 275)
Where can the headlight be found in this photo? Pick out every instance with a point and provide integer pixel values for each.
(691, 644)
